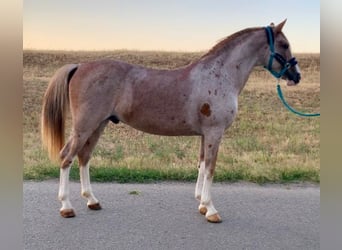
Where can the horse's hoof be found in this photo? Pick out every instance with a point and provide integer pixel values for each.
(215, 218)
(67, 213)
(95, 206)
(203, 210)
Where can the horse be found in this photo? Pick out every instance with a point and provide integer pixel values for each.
(200, 99)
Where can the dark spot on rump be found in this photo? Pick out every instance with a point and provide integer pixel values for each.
(209, 146)
(205, 109)
(172, 118)
(232, 111)
(209, 92)
(215, 93)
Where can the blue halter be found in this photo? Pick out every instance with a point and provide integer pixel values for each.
(274, 55)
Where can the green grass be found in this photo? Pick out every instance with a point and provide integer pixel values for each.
(117, 174)
(265, 144)
(148, 175)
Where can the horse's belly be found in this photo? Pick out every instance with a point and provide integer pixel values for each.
(159, 114)
(171, 127)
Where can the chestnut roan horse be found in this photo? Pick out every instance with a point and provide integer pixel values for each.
(198, 99)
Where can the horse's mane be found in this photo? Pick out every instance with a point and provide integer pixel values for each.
(225, 42)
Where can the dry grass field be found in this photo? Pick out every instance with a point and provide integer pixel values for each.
(266, 143)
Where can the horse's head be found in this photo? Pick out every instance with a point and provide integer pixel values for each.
(280, 62)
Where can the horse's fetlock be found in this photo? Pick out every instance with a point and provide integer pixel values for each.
(61, 197)
(205, 202)
(85, 194)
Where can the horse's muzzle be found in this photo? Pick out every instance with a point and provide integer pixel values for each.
(293, 76)
(293, 72)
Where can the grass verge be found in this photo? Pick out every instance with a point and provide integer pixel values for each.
(125, 175)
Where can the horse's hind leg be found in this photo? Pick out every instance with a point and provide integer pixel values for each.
(66, 210)
(68, 153)
(84, 157)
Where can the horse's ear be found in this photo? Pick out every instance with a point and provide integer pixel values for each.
(280, 26)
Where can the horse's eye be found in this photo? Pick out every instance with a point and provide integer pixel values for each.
(285, 46)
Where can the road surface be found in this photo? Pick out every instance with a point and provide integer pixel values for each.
(165, 216)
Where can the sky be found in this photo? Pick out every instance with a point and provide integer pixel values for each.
(177, 25)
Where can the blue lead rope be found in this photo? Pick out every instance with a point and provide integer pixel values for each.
(281, 97)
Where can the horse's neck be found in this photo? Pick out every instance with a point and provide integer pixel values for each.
(236, 63)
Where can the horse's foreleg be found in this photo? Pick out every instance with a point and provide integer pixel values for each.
(211, 146)
(201, 168)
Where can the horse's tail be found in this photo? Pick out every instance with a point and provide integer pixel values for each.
(54, 110)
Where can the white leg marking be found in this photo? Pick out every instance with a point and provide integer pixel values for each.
(86, 190)
(63, 194)
(200, 179)
(206, 195)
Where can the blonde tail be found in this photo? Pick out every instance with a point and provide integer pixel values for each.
(54, 110)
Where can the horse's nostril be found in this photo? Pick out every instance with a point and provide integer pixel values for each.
(298, 77)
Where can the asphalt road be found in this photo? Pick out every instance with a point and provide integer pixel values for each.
(164, 216)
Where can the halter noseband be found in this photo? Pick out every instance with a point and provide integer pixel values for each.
(274, 55)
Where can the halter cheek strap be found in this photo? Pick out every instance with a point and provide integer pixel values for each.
(280, 59)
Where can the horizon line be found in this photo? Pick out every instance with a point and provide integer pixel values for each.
(141, 50)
